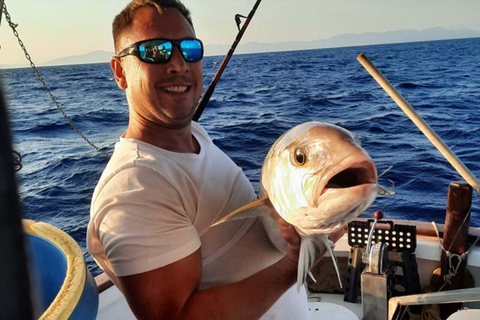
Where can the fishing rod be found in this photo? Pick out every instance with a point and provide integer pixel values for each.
(208, 93)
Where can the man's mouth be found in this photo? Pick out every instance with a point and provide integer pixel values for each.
(176, 89)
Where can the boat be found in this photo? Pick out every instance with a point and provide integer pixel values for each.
(383, 278)
(391, 269)
(328, 301)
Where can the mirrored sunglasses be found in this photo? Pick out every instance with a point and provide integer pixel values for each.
(160, 50)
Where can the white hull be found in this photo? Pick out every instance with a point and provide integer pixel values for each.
(329, 306)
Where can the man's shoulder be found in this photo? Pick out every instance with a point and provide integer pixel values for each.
(199, 130)
(132, 161)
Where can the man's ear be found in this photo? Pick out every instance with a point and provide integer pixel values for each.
(118, 72)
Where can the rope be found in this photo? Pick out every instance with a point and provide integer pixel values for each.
(40, 78)
(430, 311)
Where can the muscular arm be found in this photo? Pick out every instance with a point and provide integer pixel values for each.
(171, 292)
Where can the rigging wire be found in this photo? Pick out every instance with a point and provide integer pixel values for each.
(40, 78)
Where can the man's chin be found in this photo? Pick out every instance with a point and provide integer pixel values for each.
(177, 123)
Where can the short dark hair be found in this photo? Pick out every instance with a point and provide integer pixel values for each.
(125, 18)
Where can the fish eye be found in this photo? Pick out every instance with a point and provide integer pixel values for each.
(299, 157)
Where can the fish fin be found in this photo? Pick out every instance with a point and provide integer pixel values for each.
(257, 208)
(310, 249)
(331, 246)
(305, 260)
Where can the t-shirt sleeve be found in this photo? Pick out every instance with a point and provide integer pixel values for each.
(142, 223)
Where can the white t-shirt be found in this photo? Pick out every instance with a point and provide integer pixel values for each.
(153, 207)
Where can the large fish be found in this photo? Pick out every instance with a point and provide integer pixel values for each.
(318, 178)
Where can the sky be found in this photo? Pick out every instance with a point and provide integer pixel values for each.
(53, 29)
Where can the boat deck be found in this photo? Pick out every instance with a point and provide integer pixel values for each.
(323, 305)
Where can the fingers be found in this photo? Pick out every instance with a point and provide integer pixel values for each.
(293, 243)
(289, 233)
(335, 236)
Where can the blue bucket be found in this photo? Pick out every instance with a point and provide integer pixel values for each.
(48, 271)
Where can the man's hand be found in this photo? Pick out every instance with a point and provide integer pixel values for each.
(335, 236)
(293, 241)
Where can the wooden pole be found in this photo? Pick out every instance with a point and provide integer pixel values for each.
(419, 122)
(455, 237)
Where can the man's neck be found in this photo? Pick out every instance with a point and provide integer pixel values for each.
(178, 140)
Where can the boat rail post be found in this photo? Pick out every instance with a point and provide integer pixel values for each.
(455, 238)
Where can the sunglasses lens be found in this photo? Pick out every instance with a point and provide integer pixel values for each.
(159, 51)
(192, 50)
(155, 51)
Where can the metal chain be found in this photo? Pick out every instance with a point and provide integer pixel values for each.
(17, 161)
(40, 78)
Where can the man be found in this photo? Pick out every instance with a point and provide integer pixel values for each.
(166, 184)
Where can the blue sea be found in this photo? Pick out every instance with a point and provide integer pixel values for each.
(259, 97)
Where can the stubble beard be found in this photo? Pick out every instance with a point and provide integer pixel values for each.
(175, 123)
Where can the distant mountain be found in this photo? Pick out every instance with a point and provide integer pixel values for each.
(345, 40)
(351, 39)
(91, 57)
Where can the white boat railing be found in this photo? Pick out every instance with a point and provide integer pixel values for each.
(452, 296)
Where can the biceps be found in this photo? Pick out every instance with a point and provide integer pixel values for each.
(162, 293)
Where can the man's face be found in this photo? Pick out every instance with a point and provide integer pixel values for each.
(162, 94)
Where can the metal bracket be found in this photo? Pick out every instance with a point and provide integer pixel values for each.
(374, 296)
(238, 21)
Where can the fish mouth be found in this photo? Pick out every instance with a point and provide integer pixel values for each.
(346, 191)
(351, 175)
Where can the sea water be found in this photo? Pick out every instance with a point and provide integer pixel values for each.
(259, 97)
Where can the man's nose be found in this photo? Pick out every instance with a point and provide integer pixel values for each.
(177, 64)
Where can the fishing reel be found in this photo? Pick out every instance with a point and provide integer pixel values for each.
(376, 256)
(382, 263)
